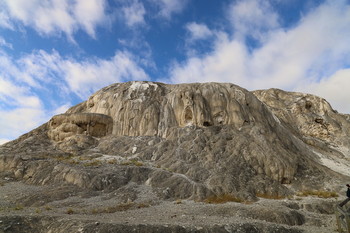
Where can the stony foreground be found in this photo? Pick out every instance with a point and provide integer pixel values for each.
(34, 210)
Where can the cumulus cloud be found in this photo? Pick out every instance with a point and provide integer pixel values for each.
(55, 16)
(134, 14)
(316, 47)
(198, 31)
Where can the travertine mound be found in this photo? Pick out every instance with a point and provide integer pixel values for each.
(150, 142)
(155, 109)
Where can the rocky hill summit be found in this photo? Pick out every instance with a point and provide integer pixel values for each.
(143, 144)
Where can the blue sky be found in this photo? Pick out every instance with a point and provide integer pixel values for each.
(55, 53)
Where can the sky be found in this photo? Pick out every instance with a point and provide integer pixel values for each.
(55, 53)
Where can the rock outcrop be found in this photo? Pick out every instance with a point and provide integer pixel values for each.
(67, 125)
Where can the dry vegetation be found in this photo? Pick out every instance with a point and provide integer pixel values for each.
(70, 211)
(318, 193)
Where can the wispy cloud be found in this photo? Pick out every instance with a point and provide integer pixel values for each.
(169, 7)
(53, 17)
(315, 48)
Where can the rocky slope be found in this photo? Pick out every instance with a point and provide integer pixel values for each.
(150, 143)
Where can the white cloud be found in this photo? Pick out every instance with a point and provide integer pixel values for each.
(287, 58)
(89, 14)
(20, 120)
(134, 14)
(198, 31)
(20, 110)
(170, 7)
(225, 64)
(55, 16)
(252, 17)
(85, 77)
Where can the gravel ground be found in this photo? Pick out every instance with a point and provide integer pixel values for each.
(103, 208)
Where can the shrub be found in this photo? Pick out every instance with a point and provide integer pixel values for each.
(70, 211)
(18, 207)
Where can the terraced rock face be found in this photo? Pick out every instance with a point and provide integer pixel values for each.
(152, 109)
(154, 142)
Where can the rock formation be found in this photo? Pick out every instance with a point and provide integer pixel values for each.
(186, 141)
(66, 125)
